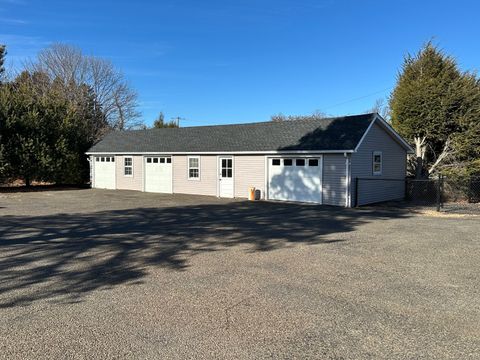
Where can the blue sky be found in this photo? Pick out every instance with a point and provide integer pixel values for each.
(214, 62)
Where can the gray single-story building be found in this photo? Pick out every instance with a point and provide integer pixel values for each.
(313, 161)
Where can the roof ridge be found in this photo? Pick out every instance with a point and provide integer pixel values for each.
(259, 122)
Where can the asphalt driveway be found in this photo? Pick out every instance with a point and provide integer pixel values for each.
(119, 274)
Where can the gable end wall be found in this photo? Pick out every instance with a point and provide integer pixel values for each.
(394, 168)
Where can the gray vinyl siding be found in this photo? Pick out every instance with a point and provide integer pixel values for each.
(383, 188)
(334, 180)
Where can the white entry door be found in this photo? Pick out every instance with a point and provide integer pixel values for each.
(104, 172)
(225, 180)
(295, 179)
(158, 174)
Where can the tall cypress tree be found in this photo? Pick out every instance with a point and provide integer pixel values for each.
(3, 164)
(434, 106)
(3, 53)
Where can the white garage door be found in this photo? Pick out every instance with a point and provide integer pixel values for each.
(295, 179)
(104, 172)
(158, 174)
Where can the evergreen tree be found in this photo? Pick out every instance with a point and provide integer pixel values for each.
(3, 53)
(161, 123)
(44, 133)
(435, 106)
(3, 165)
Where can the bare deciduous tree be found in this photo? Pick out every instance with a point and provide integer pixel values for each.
(314, 116)
(381, 107)
(66, 63)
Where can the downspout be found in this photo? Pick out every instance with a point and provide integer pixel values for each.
(91, 163)
(347, 181)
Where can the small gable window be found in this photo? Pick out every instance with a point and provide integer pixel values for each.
(377, 161)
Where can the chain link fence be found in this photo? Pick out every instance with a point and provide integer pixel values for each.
(449, 194)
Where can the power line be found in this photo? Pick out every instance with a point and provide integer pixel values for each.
(177, 119)
(357, 98)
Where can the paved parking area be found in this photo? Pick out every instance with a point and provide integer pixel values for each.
(119, 274)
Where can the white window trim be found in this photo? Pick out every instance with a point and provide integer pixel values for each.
(377, 173)
(188, 168)
(125, 166)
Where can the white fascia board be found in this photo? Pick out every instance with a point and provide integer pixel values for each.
(296, 152)
(386, 126)
(365, 134)
(396, 135)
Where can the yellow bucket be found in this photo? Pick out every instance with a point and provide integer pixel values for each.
(251, 193)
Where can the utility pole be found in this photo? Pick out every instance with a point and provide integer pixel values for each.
(177, 120)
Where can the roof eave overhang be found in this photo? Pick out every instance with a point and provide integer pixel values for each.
(274, 152)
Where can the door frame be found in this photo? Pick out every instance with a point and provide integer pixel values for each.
(218, 174)
(293, 156)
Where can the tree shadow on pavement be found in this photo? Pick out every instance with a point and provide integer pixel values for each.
(66, 256)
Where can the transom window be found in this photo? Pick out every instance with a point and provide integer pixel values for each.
(193, 167)
(128, 166)
(297, 162)
(157, 160)
(377, 163)
(105, 159)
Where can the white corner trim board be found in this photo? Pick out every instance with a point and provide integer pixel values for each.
(348, 180)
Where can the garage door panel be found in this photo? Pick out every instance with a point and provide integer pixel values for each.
(158, 174)
(104, 172)
(291, 182)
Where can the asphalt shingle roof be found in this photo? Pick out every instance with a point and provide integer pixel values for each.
(340, 133)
